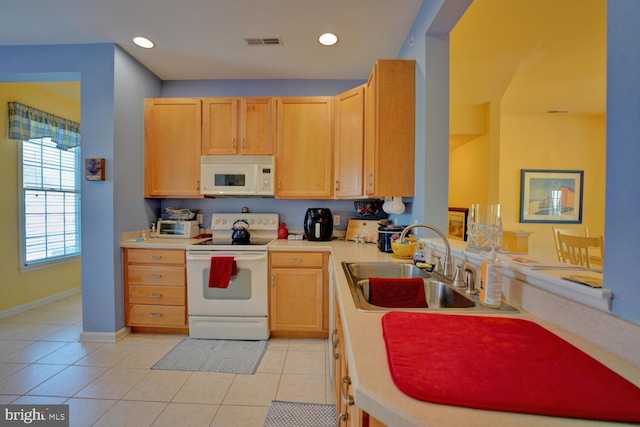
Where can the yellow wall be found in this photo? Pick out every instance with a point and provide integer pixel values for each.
(18, 288)
(534, 142)
(468, 173)
(558, 143)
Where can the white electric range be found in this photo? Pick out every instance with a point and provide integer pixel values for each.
(239, 311)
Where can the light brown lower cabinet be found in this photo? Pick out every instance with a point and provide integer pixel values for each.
(299, 294)
(155, 292)
(348, 414)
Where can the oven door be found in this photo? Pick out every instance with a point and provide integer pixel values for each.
(236, 312)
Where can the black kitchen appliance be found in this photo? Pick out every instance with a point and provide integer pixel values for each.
(384, 236)
(318, 224)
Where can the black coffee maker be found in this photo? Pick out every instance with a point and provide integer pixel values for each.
(318, 224)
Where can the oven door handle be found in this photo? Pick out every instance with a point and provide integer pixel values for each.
(237, 257)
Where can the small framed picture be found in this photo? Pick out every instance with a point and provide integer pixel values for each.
(94, 169)
(457, 224)
(551, 196)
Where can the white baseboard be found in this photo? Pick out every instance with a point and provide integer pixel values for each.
(105, 336)
(37, 303)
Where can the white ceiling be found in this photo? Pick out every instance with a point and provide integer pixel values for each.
(204, 39)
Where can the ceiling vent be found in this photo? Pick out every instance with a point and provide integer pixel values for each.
(264, 41)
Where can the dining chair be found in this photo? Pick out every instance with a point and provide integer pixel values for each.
(562, 257)
(578, 248)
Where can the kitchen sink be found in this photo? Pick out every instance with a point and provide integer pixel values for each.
(364, 270)
(440, 293)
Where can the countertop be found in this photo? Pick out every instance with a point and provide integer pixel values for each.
(374, 390)
(133, 239)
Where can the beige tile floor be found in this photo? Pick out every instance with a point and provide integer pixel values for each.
(107, 384)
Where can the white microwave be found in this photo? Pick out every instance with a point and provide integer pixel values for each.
(178, 228)
(237, 176)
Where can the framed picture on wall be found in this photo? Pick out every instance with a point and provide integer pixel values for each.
(457, 223)
(552, 196)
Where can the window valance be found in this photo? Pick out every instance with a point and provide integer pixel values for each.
(28, 123)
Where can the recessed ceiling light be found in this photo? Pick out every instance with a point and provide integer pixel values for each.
(143, 42)
(328, 39)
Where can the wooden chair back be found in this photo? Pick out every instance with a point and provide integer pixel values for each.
(577, 248)
(562, 257)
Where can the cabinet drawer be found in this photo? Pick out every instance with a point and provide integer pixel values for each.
(156, 256)
(297, 259)
(157, 315)
(159, 295)
(156, 275)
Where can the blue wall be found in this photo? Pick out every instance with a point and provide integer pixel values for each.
(112, 89)
(622, 233)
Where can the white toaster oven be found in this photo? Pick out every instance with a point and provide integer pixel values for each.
(178, 228)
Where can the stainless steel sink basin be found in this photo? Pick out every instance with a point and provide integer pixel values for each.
(364, 270)
(440, 294)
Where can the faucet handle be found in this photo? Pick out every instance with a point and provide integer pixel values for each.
(471, 282)
(438, 266)
(458, 281)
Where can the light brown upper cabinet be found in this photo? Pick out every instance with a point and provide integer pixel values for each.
(304, 147)
(172, 147)
(390, 111)
(238, 126)
(349, 144)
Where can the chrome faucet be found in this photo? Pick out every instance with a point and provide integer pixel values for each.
(448, 264)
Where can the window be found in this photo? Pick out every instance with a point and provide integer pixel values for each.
(50, 201)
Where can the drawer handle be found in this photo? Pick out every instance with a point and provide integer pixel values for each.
(155, 315)
(155, 256)
(155, 276)
(155, 295)
(346, 398)
(296, 260)
(344, 418)
(336, 342)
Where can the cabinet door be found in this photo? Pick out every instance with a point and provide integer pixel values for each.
(220, 126)
(256, 126)
(370, 133)
(304, 148)
(390, 129)
(349, 141)
(172, 147)
(296, 299)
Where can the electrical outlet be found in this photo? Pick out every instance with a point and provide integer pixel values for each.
(336, 220)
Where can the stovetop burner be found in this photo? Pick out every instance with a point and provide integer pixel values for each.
(263, 228)
(252, 242)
